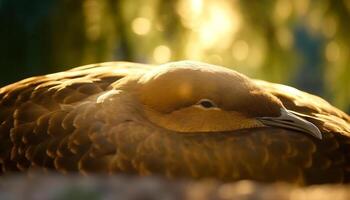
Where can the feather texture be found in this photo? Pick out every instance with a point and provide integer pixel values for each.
(55, 122)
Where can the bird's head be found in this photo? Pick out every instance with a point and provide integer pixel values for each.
(190, 97)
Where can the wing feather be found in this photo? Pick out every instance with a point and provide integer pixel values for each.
(49, 120)
(53, 122)
(314, 108)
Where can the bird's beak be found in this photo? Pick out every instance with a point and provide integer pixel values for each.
(292, 121)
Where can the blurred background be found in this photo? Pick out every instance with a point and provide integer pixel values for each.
(302, 43)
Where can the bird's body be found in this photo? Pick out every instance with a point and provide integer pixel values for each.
(130, 118)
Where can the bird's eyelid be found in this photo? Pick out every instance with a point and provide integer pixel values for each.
(206, 103)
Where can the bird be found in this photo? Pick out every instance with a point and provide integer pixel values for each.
(183, 119)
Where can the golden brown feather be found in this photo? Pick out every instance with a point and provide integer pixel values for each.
(182, 119)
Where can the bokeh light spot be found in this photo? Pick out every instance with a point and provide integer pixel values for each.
(190, 12)
(219, 27)
(161, 54)
(141, 26)
(283, 10)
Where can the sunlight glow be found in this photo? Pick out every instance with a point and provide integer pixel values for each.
(290, 90)
(220, 26)
(240, 50)
(161, 54)
(283, 9)
(190, 12)
(213, 25)
(141, 26)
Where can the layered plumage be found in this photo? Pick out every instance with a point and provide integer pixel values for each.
(183, 119)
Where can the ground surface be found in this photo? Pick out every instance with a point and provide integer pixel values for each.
(56, 187)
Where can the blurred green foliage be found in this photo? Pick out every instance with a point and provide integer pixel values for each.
(303, 43)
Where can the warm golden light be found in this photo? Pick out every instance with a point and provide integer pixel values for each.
(196, 6)
(185, 90)
(141, 26)
(273, 40)
(215, 59)
(332, 51)
(301, 6)
(257, 53)
(290, 91)
(330, 26)
(242, 188)
(240, 50)
(283, 9)
(213, 25)
(190, 12)
(285, 38)
(161, 54)
(93, 14)
(218, 26)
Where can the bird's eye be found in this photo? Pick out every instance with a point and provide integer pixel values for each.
(206, 103)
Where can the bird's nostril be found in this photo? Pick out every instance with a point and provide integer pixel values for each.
(287, 120)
